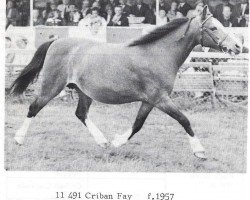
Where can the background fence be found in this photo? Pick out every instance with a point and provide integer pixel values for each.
(208, 79)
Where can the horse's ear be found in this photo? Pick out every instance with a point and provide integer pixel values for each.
(204, 12)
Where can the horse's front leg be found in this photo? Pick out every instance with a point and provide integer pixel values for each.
(140, 119)
(166, 105)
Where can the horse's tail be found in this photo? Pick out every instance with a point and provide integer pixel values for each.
(31, 71)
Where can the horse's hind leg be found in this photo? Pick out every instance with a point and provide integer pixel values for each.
(48, 91)
(140, 119)
(84, 103)
(166, 105)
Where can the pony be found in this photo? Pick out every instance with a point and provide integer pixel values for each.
(143, 69)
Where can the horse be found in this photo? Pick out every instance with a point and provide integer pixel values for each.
(142, 70)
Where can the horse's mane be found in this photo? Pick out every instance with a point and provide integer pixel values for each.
(158, 32)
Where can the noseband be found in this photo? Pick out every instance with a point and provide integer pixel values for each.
(203, 29)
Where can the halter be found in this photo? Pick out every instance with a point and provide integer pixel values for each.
(210, 34)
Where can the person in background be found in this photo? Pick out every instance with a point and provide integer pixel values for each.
(162, 19)
(64, 9)
(151, 14)
(12, 14)
(37, 18)
(54, 19)
(119, 19)
(226, 19)
(85, 8)
(126, 9)
(74, 16)
(163, 5)
(219, 9)
(140, 9)
(47, 10)
(240, 14)
(183, 7)
(24, 11)
(198, 9)
(109, 13)
(173, 13)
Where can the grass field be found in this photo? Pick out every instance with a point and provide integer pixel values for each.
(58, 141)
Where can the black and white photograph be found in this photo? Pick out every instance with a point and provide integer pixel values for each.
(155, 86)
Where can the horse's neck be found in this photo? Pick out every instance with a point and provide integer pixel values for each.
(177, 51)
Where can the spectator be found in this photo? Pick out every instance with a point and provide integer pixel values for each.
(96, 4)
(163, 19)
(85, 8)
(114, 3)
(64, 9)
(93, 21)
(151, 14)
(240, 14)
(226, 17)
(140, 9)
(163, 5)
(54, 19)
(24, 11)
(173, 13)
(219, 9)
(119, 19)
(198, 9)
(74, 16)
(12, 14)
(126, 9)
(37, 18)
(47, 10)
(184, 7)
(109, 13)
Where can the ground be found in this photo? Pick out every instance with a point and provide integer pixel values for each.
(58, 141)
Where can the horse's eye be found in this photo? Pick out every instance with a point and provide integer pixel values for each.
(213, 29)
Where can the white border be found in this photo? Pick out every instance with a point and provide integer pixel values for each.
(43, 185)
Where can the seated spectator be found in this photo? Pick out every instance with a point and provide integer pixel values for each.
(119, 19)
(96, 4)
(240, 14)
(183, 7)
(226, 17)
(85, 8)
(54, 19)
(37, 18)
(140, 9)
(12, 14)
(48, 8)
(93, 21)
(109, 13)
(219, 9)
(74, 16)
(198, 9)
(163, 5)
(162, 19)
(126, 9)
(173, 13)
(64, 9)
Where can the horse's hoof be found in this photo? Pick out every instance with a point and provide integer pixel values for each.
(201, 155)
(119, 141)
(19, 140)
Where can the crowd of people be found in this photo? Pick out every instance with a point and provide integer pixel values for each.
(228, 14)
(120, 12)
(82, 12)
(17, 12)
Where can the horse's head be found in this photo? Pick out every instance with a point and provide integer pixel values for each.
(214, 35)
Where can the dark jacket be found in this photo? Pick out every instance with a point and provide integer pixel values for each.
(184, 9)
(142, 12)
(123, 21)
